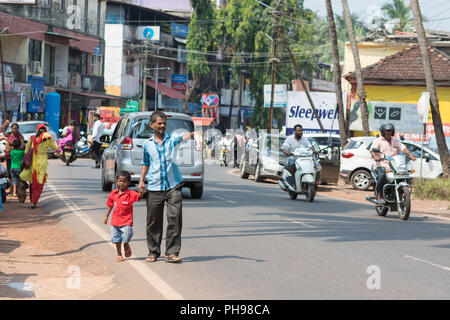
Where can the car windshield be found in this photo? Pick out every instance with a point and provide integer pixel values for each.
(353, 144)
(275, 142)
(25, 128)
(432, 144)
(335, 142)
(141, 127)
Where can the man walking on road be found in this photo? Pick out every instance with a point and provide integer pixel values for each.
(164, 186)
(97, 132)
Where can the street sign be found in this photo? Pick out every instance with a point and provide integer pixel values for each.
(148, 33)
(179, 82)
(280, 97)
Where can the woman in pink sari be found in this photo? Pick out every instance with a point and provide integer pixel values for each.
(67, 136)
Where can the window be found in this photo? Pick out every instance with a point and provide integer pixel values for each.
(84, 63)
(96, 65)
(34, 50)
(141, 128)
(353, 144)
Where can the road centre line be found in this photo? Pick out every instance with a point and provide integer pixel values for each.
(299, 222)
(428, 262)
(220, 198)
(141, 267)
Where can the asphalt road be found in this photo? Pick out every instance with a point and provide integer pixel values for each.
(247, 240)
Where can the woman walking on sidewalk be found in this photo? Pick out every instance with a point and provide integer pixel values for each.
(36, 173)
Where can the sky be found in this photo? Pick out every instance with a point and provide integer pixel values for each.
(436, 11)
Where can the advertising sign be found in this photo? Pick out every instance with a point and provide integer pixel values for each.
(37, 94)
(179, 82)
(148, 33)
(403, 116)
(132, 106)
(280, 96)
(179, 30)
(299, 111)
(210, 106)
(17, 1)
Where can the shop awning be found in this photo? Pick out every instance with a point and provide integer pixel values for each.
(96, 95)
(202, 121)
(165, 90)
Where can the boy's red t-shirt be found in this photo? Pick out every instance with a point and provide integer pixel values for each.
(122, 204)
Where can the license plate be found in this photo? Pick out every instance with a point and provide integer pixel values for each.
(67, 154)
(401, 177)
(3, 180)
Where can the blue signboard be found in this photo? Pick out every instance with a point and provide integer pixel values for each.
(37, 94)
(180, 78)
(179, 30)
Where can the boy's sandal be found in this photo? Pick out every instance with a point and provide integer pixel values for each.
(173, 258)
(150, 259)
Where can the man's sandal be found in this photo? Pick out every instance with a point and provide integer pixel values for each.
(173, 258)
(150, 259)
(119, 259)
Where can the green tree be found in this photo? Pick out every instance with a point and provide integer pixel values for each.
(199, 41)
(399, 13)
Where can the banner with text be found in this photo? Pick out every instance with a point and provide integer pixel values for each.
(299, 111)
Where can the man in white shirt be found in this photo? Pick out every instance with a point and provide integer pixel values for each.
(97, 132)
(294, 141)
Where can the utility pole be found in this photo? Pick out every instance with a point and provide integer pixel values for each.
(3, 73)
(431, 88)
(156, 81)
(144, 78)
(274, 61)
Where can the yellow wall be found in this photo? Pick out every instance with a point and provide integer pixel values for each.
(410, 95)
(113, 90)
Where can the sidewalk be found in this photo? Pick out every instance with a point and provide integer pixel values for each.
(40, 260)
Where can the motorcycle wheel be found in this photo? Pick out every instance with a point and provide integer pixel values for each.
(405, 208)
(258, 177)
(292, 195)
(68, 162)
(3, 196)
(311, 193)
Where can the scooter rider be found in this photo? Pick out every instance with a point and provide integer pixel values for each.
(295, 141)
(390, 146)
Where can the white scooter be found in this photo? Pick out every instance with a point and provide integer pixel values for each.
(306, 175)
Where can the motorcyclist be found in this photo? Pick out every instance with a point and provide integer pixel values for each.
(68, 135)
(295, 141)
(390, 146)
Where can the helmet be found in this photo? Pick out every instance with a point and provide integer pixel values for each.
(387, 126)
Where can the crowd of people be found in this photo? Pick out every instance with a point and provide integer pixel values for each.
(26, 163)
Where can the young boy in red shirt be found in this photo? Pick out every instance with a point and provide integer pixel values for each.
(120, 202)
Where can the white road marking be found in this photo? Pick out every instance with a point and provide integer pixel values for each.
(141, 267)
(299, 222)
(428, 262)
(230, 201)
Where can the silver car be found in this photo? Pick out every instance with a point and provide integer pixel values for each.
(125, 151)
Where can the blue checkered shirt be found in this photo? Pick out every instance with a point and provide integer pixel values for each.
(163, 174)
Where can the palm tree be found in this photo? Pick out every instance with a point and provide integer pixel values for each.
(399, 13)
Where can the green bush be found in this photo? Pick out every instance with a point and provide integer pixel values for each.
(432, 189)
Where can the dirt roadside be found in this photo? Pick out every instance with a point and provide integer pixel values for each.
(31, 243)
(31, 263)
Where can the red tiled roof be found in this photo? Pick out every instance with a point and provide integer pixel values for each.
(407, 65)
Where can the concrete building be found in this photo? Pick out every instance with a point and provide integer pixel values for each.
(54, 45)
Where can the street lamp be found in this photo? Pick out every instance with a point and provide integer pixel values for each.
(3, 71)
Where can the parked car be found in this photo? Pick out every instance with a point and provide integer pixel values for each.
(28, 129)
(263, 157)
(356, 162)
(329, 155)
(125, 151)
(270, 161)
(432, 144)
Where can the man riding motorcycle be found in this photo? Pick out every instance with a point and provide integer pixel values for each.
(390, 146)
(295, 141)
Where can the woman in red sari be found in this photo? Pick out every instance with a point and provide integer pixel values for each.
(36, 174)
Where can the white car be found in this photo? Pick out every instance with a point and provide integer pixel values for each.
(356, 162)
(28, 129)
(325, 139)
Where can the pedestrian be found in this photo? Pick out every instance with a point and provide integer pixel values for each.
(36, 173)
(120, 202)
(16, 157)
(97, 132)
(10, 137)
(164, 187)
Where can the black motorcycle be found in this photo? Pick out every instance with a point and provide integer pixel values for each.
(69, 153)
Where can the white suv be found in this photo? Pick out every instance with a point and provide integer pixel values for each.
(356, 162)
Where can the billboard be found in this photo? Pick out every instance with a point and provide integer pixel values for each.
(299, 111)
(148, 33)
(17, 1)
(280, 96)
